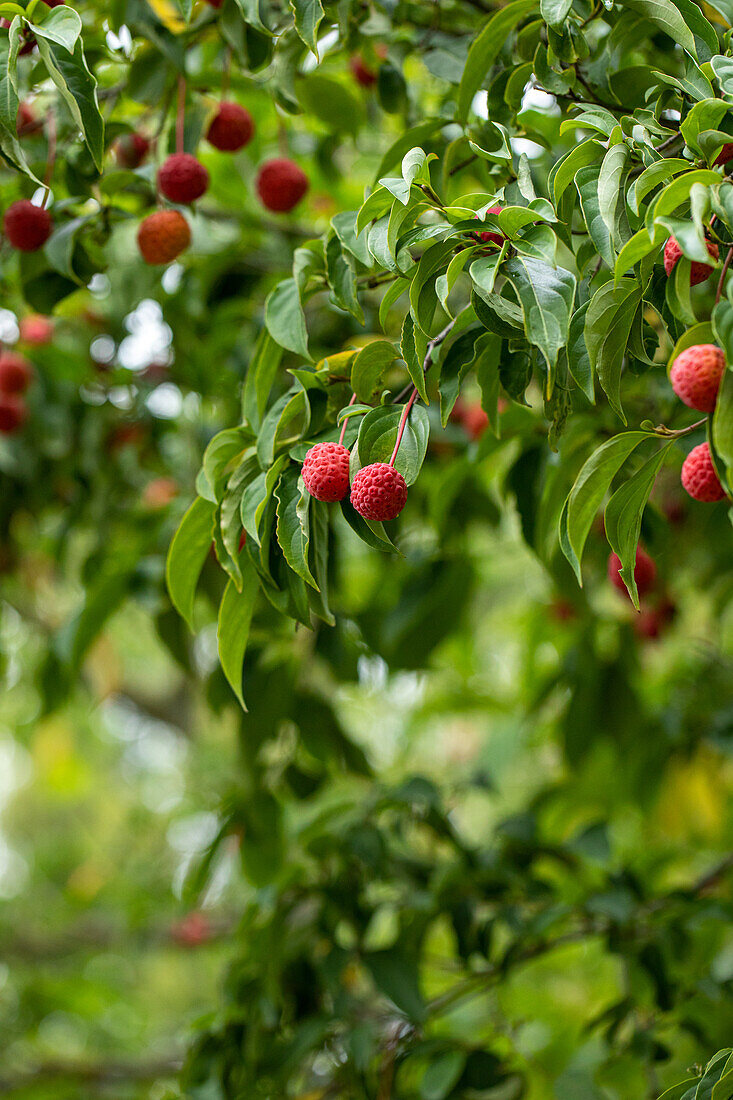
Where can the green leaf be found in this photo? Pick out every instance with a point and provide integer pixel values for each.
(456, 363)
(370, 532)
(187, 553)
(555, 12)
(221, 456)
(414, 346)
(607, 327)
(62, 26)
(9, 143)
(59, 249)
(563, 173)
(260, 376)
(285, 318)
(586, 183)
(588, 491)
(293, 523)
(378, 435)
(651, 177)
(369, 367)
(610, 180)
(395, 973)
(486, 47)
(417, 135)
(665, 16)
(623, 517)
(308, 15)
(547, 295)
(579, 363)
(331, 102)
(442, 1075)
(723, 426)
(341, 274)
(78, 89)
(235, 617)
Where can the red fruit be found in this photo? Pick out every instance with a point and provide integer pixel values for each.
(26, 122)
(379, 492)
(182, 178)
(231, 128)
(281, 184)
(193, 930)
(494, 236)
(36, 330)
(159, 493)
(475, 421)
(26, 226)
(725, 154)
(361, 72)
(131, 150)
(326, 471)
(12, 413)
(696, 375)
(650, 623)
(699, 477)
(163, 236)
(16, 373)
(699, 272)
(645, 572)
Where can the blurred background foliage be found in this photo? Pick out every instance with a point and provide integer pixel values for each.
(474, 840)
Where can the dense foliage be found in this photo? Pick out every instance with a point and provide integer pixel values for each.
(482, 813)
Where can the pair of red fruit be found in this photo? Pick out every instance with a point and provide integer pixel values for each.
(378, 492)
(696, 375)
(16, 375)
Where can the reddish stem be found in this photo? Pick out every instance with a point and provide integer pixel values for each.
(180, 114)
(51, 158)
(346, 421)
(403, 422)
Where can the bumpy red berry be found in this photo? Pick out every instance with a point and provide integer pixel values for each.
(645, 572)
(495, 236)
(725, 154)
(326, 471)
(231, 128)
(131, 150)
(699, 272)
(26, 226)
(182, 178)
(696, 375)
(379, 492)
(163, 236)
(699, 477)
(12, 413)
(16, 373)
(281, 185)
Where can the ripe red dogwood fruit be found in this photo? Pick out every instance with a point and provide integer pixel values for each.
(12, 413)
(36, 330)
(163, 236)
(379, 492)
(281, 185)
(699, 477)
(326, 471)
(231, 128)
(182, 178)
(699, 272)
(645, 572)
(16, 373)
(26, 226)
(131, 150)
(696, 375)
